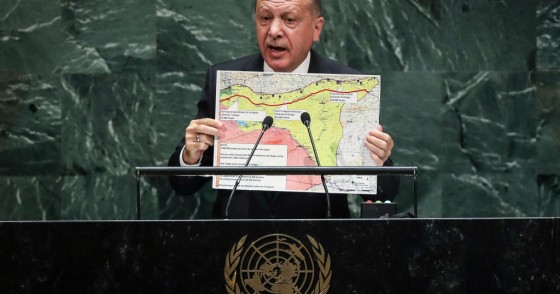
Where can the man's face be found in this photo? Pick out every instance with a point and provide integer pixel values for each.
(286, 29)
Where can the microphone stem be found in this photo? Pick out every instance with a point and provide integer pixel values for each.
(256, 144)
(322, 176)
(246, 164)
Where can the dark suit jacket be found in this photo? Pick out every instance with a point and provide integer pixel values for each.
(263, 204)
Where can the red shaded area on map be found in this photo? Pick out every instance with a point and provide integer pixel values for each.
(297, 155)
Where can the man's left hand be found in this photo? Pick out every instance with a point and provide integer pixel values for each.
(379, 144)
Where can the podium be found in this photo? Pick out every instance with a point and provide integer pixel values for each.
(250, 170)
(415, 255)
(309, 256)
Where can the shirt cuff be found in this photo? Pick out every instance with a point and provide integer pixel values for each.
(182, 163)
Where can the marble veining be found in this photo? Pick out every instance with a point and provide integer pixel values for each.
(89, 90)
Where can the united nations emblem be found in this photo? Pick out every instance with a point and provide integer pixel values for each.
(277, 263)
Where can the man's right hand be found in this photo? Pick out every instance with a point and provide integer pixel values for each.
(199, 135)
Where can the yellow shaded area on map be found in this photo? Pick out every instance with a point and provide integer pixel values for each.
(315, 98)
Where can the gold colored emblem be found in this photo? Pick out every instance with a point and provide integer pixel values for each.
(279, 264)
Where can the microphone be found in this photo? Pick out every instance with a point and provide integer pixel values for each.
(266, 124)
(306, 120)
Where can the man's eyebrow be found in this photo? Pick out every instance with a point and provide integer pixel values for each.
(262, 8)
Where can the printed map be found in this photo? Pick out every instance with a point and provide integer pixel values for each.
(343, 108)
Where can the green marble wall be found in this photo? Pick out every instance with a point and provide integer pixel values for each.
(91, 89)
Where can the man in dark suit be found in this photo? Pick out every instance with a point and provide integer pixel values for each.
(286, 30)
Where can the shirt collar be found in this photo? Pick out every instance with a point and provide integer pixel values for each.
(302, 68)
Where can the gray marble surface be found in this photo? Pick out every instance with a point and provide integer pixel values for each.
(89, 90)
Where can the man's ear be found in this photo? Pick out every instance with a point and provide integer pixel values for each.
(317, 28)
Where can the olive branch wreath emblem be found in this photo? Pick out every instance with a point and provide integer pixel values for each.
(322, 258)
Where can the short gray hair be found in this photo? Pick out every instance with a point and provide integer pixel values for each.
(315, 6)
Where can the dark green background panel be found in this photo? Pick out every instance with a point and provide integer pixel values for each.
(91, 89)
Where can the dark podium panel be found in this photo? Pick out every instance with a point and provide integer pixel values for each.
(309, 256)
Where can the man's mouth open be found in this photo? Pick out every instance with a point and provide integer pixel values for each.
(276, 49)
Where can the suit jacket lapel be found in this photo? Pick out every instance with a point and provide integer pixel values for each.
(254, 64)
(314, 63)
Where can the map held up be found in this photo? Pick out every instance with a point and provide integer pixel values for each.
(343, 108)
